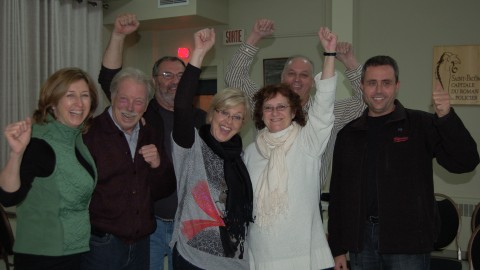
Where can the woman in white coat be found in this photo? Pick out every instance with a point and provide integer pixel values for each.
(284, 164)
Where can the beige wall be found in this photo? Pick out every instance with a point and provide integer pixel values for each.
(406, 30)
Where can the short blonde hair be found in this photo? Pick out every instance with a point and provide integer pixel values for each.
(228, 98)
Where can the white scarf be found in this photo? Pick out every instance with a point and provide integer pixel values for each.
(271, 198)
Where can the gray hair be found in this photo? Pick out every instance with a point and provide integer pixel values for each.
(136, 75)
(289, 61)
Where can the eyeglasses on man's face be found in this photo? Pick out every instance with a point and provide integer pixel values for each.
(224, 114)
(278, 108)
(170, 76)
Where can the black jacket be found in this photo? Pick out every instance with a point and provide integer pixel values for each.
(406, 204)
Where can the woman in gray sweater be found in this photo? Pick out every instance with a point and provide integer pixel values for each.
(214, 188)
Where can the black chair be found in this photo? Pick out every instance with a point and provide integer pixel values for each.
(449, 230)
(476, 217)
(324, 197)
(6, 238)
(474, 250)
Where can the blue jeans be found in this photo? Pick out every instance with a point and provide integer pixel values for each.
(159, 248)
(110, 253)
(370, 259)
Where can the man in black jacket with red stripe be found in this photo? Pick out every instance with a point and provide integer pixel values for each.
(382, 204)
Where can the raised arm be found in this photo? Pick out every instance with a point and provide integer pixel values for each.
(320, 112)
(353, 69)
(329, 43)
(262, 28)
(456, 150)
(204, 41)
(124, 25)
(441, 100)
(183, 127)
(346, 56)
(18, 136)
(347, 109)
(238, 71)
(112, 61)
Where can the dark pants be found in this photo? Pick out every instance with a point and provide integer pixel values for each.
(38, 262)
(110, 253)
(179, 263)
(370, 259)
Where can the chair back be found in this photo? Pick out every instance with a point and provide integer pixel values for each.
(474, 250)
(6, 238)
(449, 218)
(449, 221)
(476, 217)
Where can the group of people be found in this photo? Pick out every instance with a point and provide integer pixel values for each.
(152, 176)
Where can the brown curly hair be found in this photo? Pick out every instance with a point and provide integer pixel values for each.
(269, 92)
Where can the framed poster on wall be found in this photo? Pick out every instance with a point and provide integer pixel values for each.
(272, 70)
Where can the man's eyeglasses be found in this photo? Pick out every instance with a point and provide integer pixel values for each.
(278, 108)
(235, 118)
(169, 75)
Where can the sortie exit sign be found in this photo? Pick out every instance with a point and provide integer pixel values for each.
(234, 36)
